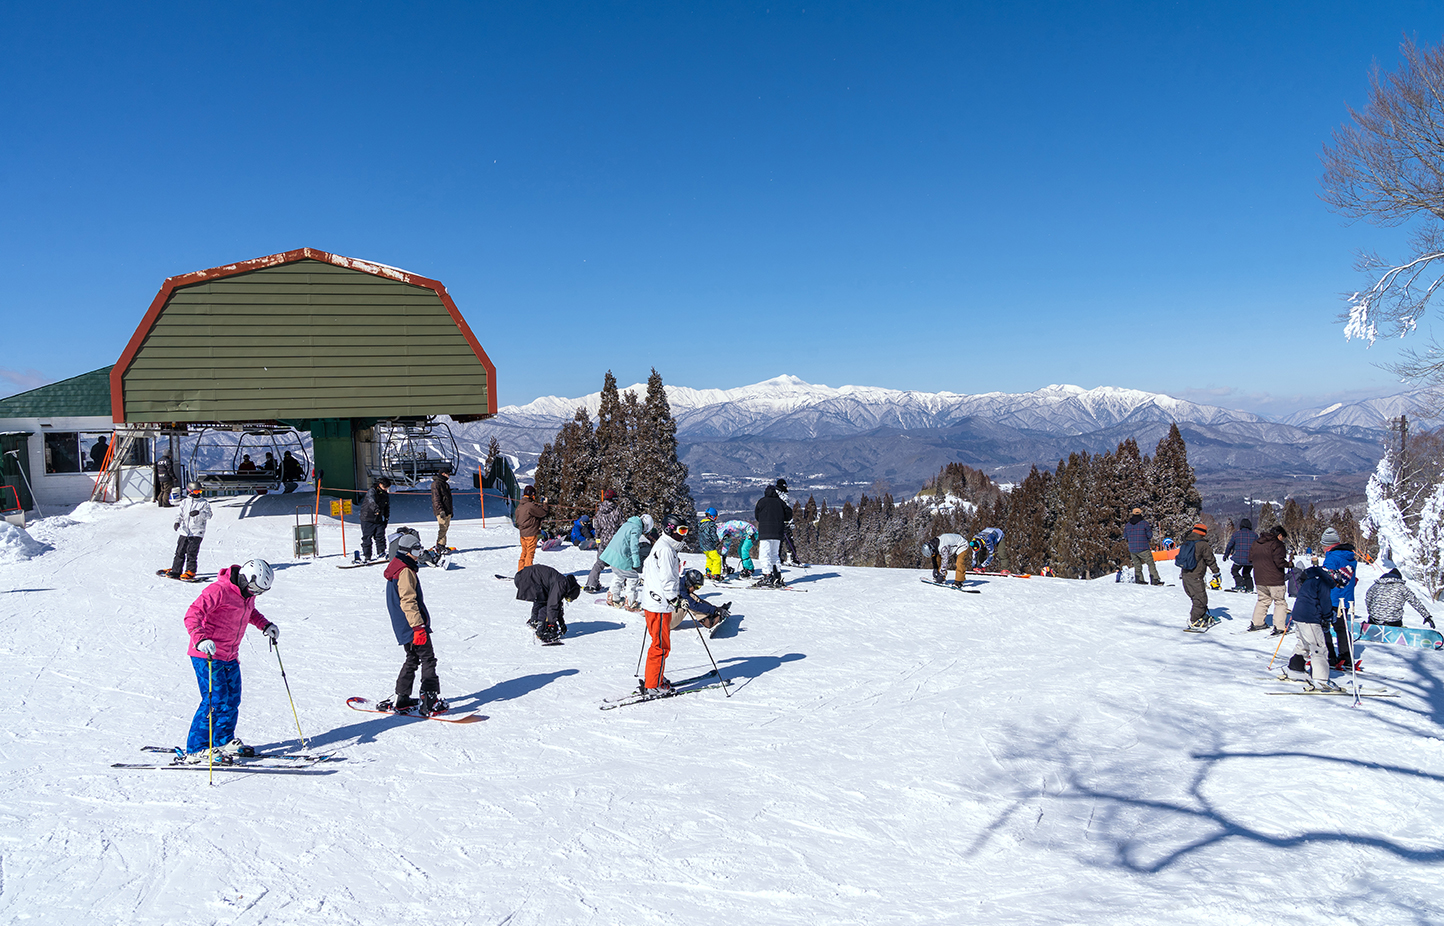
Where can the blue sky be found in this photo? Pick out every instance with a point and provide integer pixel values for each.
(952, 196)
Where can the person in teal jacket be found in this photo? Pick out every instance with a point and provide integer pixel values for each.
(624, 555)
(745, 536)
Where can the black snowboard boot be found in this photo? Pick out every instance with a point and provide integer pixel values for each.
(430, 702)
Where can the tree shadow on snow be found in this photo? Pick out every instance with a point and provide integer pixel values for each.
(1108, 811)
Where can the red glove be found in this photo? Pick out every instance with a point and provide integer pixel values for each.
(418, 636)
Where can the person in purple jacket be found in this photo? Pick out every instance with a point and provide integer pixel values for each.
(1240, 547)
(215, 622)
(1139, 534)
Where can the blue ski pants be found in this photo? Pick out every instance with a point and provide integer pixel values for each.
(224, 698)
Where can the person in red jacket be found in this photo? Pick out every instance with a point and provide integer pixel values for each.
(216, 621)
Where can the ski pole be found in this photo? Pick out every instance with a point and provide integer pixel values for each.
(715, 669)
(276, 648)
(211, 719)
(1349, 635)
(646, 636)
(1287, 621)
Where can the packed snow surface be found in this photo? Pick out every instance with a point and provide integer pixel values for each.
(16, 544)
(1045, 752)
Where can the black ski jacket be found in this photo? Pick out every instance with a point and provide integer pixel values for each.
(376, 508)
(771, 513)
(545, 588)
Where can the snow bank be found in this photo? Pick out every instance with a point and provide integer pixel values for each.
(17, 546)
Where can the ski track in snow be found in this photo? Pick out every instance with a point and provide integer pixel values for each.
(1045, 752)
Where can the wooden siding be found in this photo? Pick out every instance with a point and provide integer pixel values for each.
(80, 396)
(303, 340)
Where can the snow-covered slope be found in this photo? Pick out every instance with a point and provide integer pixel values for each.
(893, 753)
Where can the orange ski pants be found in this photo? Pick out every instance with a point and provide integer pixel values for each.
(528, 553)
(659, 627)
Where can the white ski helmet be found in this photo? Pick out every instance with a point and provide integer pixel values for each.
(647, 524)
(256, 576)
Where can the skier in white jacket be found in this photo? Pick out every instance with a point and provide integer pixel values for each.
(190, 522)
(661, 589)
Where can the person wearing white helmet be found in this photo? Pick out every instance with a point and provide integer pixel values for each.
(624, 555)
(216, 621)
(191, 518)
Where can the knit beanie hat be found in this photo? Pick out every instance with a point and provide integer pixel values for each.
(1330, 539)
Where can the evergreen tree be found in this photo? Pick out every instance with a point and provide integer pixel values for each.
(661, 478)
(1027, 526)
(611, 437)
(1174, 499)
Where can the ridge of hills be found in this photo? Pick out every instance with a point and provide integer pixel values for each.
(836, 442)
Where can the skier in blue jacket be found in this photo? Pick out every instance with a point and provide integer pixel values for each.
(1340, 557)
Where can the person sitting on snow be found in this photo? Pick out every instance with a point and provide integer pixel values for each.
(704, 612)
(1386, 598)
(582, 535)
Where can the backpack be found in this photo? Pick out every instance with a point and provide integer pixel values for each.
(1187, 558)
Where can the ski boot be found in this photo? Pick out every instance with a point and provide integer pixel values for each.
(431, 703)
(237, 748)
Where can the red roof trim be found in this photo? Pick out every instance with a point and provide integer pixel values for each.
(117, 373)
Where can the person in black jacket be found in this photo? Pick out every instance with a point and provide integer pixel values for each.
(546, 589)
(375, 512)
(441, 507)
(772, 515)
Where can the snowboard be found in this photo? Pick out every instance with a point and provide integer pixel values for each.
(369, 706)
(1418, 637)
(603, 602)
(165, 574)
(1009, 575)
(352, 564)
(970, 591)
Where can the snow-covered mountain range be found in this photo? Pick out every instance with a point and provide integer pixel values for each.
(786, 407)
(837, 441)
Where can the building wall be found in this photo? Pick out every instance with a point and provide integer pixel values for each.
(56, 490)
(303, 340)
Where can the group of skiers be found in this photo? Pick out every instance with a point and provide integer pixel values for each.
(1323, 611)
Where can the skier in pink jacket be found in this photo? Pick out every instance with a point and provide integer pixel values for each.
(216, 621)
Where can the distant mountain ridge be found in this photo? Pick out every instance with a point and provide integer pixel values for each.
(837, 441)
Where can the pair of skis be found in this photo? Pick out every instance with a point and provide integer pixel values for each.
(678, 689)
(263, 763)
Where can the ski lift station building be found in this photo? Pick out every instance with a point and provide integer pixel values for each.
(304, 339)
